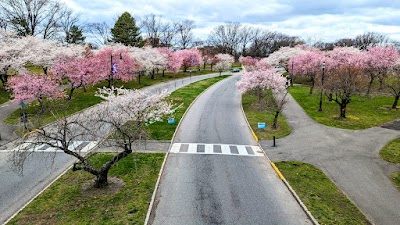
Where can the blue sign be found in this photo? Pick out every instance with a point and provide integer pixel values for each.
(262, 126)
(114, 68)
(22, 105)
(171, 120)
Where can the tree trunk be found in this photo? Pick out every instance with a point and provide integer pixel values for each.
(380, 84)
(101, 179)
(330, 97)
(152, 75)
(204, 66)
(312, 85)
(40, 100)
(342, 111)
(45, 69)
(275, 120)
(220, 72)
(163, 73)
(84, 88)
(184, 69)
(70, 93)
(211, 66)
(370, 85)
(396, 101)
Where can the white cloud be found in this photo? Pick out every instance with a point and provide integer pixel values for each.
(326, 20)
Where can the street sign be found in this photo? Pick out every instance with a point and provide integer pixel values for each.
(171, 120)
(22, 105)
(114, 69)
(262, 125)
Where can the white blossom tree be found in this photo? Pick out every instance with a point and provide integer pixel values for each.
(224, 62)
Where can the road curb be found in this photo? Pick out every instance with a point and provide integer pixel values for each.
(151, 205)
(278, 172)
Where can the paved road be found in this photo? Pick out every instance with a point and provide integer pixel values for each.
(230, 184)
(349, 158)
(16, 190)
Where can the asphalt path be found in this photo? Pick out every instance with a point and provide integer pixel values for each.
(42, 168)
(350, 158)
(221, 189)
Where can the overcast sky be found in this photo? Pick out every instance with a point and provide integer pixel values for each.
(315, 20)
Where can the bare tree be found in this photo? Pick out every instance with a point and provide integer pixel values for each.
(167, 33)
(184, 33)
(151, 24)
(100, 32)
(68, 20)
(370, 39)
(33, 17)
(226, 37)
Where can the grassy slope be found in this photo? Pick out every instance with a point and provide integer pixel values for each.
(324, 200)
(362, 112)
(254, 116)
(391, 153)
(66, 203)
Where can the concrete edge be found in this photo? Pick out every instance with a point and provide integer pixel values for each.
(150, 209)
(278, 172)
(47, 186)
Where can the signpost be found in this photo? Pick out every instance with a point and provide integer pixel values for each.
(262, 125)
(171, 120)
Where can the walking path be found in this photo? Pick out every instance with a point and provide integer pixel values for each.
(349, 158)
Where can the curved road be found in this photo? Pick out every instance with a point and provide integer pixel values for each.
(237, 187)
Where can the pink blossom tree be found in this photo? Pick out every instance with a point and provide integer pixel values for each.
(378, 61)
(308, 64)
(34, 87)
(208, 58)
(248, 61)
(224, 63)
(173, 60)
(190, 57)
(114, 63)
(344, 67)
(267, 80)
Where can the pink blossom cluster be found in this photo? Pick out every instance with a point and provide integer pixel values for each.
(261, 79)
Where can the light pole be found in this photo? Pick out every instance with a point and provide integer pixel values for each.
(322, 85)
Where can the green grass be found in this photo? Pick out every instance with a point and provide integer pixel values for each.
(391, 153)
(254, 116)
(82, 100)
(363, 112)
(4, 95)
(324, 200)
(396, 179)
(184, 97)
(67, 202)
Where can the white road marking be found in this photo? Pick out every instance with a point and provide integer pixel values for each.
(78, 146)
(215, 149)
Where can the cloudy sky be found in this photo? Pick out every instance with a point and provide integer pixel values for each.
(313, 20)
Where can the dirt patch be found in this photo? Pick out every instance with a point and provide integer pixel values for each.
(114, 186)
(393, 125)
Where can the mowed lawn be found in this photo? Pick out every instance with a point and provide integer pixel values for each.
(391, 153)
(254, 116)
(363, 112)
(72, 200)
(321, 196)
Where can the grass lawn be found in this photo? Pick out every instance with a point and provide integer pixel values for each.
(254, 116)
(363, 112)
(324, 200)
(82, 100)
(71, 200)
(4, 95)
(185, 96)
(391, 153)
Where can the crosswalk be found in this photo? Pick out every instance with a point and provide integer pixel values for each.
(217, 149)
(77, 146)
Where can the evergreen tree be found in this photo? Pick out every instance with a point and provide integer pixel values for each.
(125, 31)
(75, 36)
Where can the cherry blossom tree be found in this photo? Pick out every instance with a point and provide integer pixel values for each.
(208, 58)
(120, 121)
(344, 67)
(248, 61)
(114, 63)
(34, 87)
(224, 63)
(267, 80)
(190, 57)
(173, 60)
(282, 56)
(378, 61)
(308, 64)
(149, 59)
